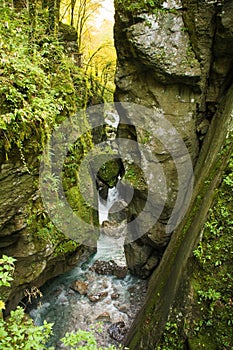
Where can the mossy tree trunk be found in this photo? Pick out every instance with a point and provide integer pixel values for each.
(54, 11)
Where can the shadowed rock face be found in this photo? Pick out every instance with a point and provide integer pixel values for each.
(25, 231)
(178, 61)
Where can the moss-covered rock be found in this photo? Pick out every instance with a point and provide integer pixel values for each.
(40, 88)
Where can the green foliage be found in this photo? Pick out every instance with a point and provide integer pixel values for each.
(140, 6)
(83, 340)
(171, 338)
(45, 231)
(6, 277)
(6, 270)
(206, 319)
(213, 273)
(134, 176)
(66, 246)
(39, 85)
(19, 332)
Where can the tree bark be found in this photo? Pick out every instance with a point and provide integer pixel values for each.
(54, 14)
(32, 18)
(19, 4)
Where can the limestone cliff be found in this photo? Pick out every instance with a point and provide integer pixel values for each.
(174, 56)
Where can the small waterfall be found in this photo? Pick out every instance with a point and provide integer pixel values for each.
(104, 206)
(109, 247)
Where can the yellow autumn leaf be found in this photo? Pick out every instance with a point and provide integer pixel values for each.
(2, 305)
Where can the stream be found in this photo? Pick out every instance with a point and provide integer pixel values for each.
(69, 310)
(98, 290)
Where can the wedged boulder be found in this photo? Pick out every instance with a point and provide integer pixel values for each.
(115, 296)
(161, 44)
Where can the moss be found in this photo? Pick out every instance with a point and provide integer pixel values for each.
(209, 323)
(134, 177)
(110, 171)
(136, 7)
(80, 207)
(39, 87)
(66, 246)
(203, 341)
(212, 282)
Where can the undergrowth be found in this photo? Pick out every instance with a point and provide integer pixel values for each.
(39, 85)
(204, 317)
(213, 277)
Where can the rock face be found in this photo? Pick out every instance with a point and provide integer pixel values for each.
(175, 59)
(26, 232)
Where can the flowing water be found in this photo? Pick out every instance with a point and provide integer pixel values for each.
(70, 311)
(108, 299)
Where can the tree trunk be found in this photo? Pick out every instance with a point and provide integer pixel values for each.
(54, 14)
(32, 18)
(73, 2)
(19, 4)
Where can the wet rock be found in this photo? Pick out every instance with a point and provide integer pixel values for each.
(115, 296)
(102, 188)
(120, 271)
(131, 289)
(113, 229)
(105, 316)
(107, 171)
(80, 287)
(109, 268)
(117, 331)
(124, 308)
(118, 211)
(97, 297)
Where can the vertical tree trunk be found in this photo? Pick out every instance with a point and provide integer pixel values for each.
(54, 12)
(73, 2)
(32, 18)
(19, 4)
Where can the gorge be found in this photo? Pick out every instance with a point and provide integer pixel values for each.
(172, 152)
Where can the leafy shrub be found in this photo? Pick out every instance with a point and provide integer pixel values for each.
(39, 85)
(19, 332)
(83, 340)
(213, 273)
(6, 270)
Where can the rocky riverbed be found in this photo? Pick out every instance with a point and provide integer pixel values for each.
(94, 292)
